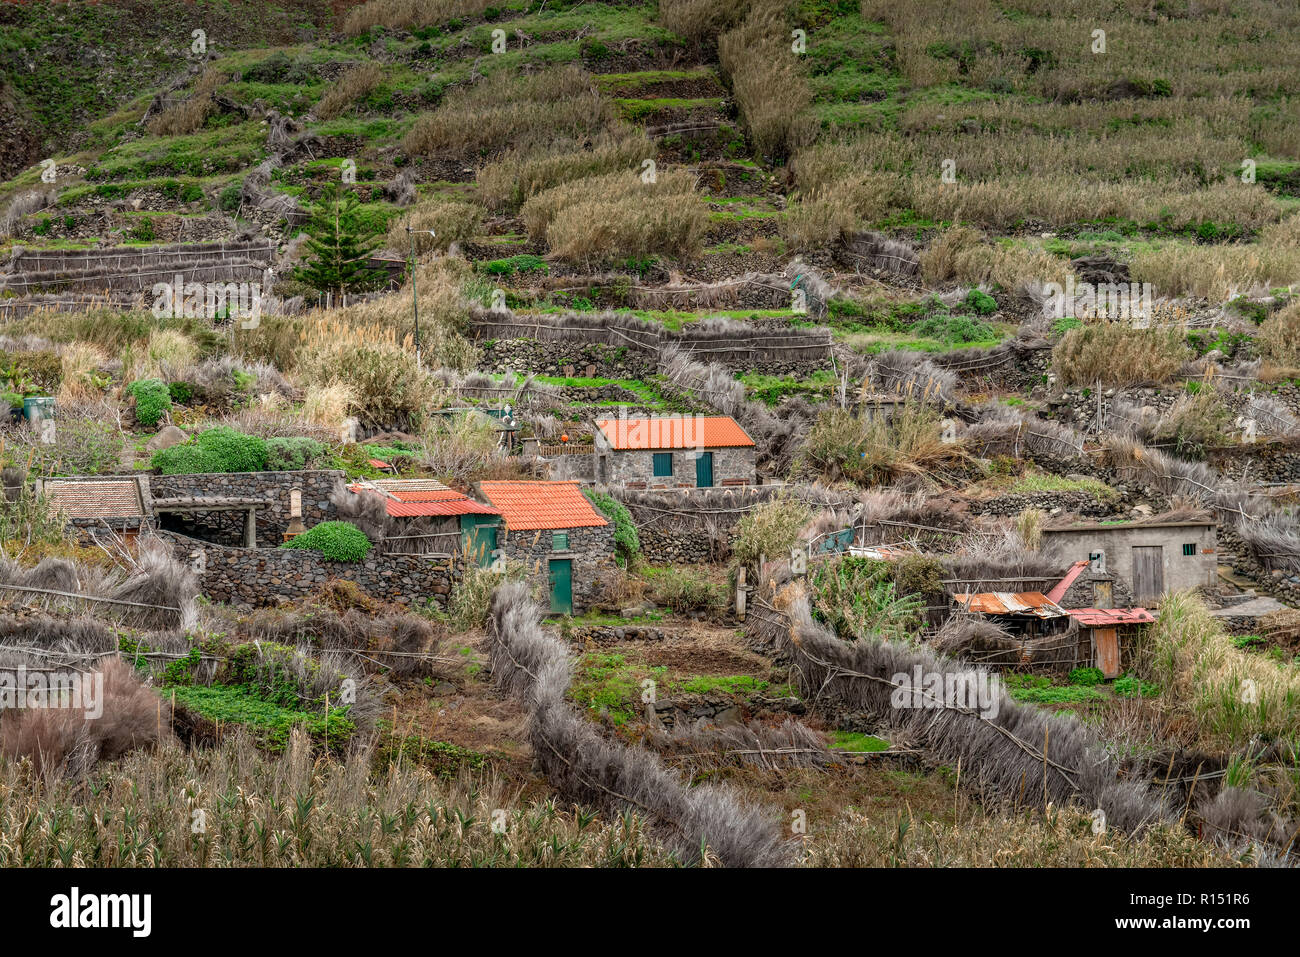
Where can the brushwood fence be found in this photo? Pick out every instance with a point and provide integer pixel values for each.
(735, 342)
(131, 269)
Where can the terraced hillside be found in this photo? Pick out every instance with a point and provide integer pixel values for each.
(972, 276)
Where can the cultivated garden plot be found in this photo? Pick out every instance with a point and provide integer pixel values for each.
(693, 433)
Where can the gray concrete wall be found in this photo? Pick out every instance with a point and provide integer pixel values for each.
(1180, 571)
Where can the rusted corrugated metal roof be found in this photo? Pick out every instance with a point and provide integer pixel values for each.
(1060, 588)
(1012, 603)
(1102, 617)
(410, 498)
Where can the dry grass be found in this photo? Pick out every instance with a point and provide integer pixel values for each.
(1278, 337)
(167, 355)
(444, 823)
(328, 405)
(964, 255)
(1231, 695)
(509, 182)
(507, 110)
(191, 113)
(64, 740)
(409, 14)
(1057, 837)
(617, 216)
(81, 362)
(871, 447)
(1110, 353)
(767, 80)
(356, 83)
(451, 221)
(1217, 272)
(700, 20)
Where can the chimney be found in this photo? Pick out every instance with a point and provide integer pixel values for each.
(296, 527)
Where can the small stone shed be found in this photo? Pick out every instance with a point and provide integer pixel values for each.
(431, 517)
(98, 507)
(689, 451)
(554, 530)
(1149, 558)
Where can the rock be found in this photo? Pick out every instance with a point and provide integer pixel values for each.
(167, 437)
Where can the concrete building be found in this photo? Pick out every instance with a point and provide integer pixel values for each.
(1148, 558)
(559, 536)
(690, 451)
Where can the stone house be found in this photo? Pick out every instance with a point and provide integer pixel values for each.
(1148, 558)
(431, 517)
(100, 507)
(689, 451)
(559, 536)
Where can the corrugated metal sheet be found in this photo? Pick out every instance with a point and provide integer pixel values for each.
(1105, 617)
(1060, 588)
(1012, 603)
(409, 498)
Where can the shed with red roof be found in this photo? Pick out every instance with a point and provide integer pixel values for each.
(680, 451)
(562, 539)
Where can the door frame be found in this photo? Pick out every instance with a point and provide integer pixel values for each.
(551, 583)
(700, 459)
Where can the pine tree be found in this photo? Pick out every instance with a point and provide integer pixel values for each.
(338, 246)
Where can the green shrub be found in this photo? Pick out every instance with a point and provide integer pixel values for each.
(221, 449)
(980, 303)
(181, 393)
(1086, 676)
(626, 542)
(294, 453)
(15, 399)
(336, 541)
(152, 400)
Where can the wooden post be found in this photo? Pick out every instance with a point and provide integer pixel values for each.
(740, 594)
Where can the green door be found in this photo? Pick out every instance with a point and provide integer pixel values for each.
(704, 470)
(561, 581)
(479, 537)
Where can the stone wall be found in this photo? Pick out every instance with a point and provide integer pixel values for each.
(565, 358)
(1083, 503)
(635, 469)
(272, 521)
(591, 549)
(1259, 462)
(255, 577)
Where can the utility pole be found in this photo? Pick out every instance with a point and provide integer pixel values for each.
(415, 297)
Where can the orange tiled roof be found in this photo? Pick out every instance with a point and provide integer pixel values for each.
(532, 505)
(675, 432)
(118, 498)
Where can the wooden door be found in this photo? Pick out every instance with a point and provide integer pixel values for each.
(1107, 642)
(1148, 572)
(704, 470)
(561, 582)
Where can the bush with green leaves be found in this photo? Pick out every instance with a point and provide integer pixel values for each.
(1086, 676)
(980, 303)
(626, 543)
(296, 452)
(336, 541)
(857, 598)
(152, 400)
(221, 449)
